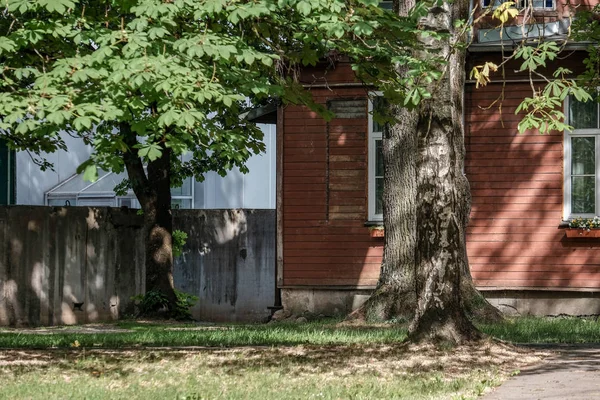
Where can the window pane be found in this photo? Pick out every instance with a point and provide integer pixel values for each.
(583, 115)
(541, 3)
(378, 158)
(583, 195)
(378, 195)
(584, 156)
(386, 5)
(379, 104)
(62, 202)
(184, 190)
(181, 203)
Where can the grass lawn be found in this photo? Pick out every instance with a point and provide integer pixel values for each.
(318, 360)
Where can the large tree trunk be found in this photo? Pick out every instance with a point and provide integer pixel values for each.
(444, 201)
(153, 190)
(425, 273)
(395, 296)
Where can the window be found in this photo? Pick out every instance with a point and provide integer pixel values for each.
(582, 160)
(375, 162)
(386, 5)
(183, 196)
(7, 174)
(537, 4)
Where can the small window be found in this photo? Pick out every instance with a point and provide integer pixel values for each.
(183, 196)
(582, 160)
(375, 162)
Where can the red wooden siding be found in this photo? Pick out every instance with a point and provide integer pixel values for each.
(516, 181)
(324, 195)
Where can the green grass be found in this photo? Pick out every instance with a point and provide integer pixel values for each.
(195, 377)
(156, 335)
(545, 330)
(316, 360)
(321, 333)
(354, 371)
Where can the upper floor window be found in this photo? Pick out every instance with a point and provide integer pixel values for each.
(582, 160)
(537, 4)
(375, 162)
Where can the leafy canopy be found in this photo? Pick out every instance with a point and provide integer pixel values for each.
(177, 73)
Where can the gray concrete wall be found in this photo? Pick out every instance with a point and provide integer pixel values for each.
(52, 259)
(228, 262)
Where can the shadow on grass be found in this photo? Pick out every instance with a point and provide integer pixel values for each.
(371, 359)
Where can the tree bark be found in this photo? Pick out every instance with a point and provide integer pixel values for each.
(444, 200)
(425, 273)
(153, 190)
(395, 296)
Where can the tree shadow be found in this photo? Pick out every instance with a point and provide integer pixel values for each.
(517, 253)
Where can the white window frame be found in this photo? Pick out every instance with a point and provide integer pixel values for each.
(567, 137)
(494, 6)
(373, 137)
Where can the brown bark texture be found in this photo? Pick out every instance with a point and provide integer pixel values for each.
(425, 275)
(443, 201)
(152, 187)
(394, 296)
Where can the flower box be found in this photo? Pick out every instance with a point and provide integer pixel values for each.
(377, 233)
(582, 233)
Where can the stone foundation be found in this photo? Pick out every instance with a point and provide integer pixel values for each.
(336, 302)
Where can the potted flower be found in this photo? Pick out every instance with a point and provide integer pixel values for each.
(584, 227)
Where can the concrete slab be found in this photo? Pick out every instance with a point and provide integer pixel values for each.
(573, 372)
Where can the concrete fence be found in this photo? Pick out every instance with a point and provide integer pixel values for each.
(77, 264)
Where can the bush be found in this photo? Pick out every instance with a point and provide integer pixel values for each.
(179, 240)
(152, 302)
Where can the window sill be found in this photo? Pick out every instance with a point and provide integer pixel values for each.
(374, 224)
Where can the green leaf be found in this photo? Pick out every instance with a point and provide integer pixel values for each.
(150, 151)
(82, 123)
(304, 7)
(90, 173)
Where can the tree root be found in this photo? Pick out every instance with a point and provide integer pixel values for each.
(386, 303)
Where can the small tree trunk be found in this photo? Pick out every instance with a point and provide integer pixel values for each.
(395, 296)
(158, 222)
(153, 191)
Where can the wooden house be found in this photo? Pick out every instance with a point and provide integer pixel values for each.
(524, 186)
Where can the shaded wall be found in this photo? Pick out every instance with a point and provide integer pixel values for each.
(323, 190)
(228, 262)
(513, 240)
(78, 264)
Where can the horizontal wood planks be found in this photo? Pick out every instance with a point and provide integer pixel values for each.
(513, 240)
(516, 182)
(324, 193)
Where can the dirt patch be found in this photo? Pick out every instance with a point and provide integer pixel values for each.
(386, 360)
(83, 329)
